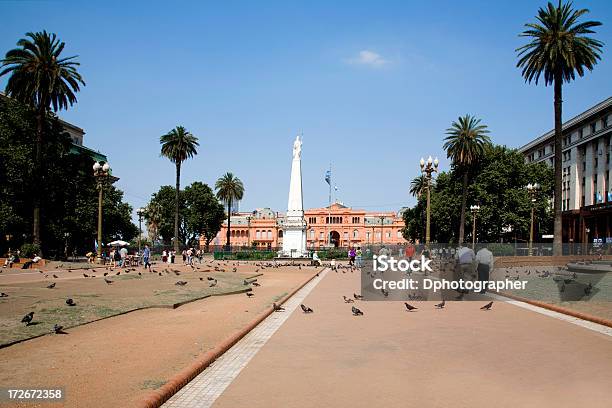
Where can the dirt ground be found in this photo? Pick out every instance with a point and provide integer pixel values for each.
(114, 362)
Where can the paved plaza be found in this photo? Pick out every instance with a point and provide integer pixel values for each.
(513, 355)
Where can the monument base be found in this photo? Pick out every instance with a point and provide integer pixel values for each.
(294, 243)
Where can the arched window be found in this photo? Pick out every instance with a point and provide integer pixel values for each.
(312, 234)
(258, 234)
(280, 233)
(355, 234)
(269, 234)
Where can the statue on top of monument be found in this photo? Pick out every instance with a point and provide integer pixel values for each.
(297, 148)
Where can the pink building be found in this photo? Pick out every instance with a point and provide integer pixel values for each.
(338, 226)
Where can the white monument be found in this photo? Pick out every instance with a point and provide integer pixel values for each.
(294, 229)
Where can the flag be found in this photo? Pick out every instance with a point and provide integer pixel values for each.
(328, 177)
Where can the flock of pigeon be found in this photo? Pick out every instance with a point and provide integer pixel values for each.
(221, 266)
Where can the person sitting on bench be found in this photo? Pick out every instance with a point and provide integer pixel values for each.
(315, 259)
(8, 262)
(29, 263)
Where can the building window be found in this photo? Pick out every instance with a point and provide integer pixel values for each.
(367, 236)
(258, 234)
(346, 237)
(355, 234)
(312, 234)
(593, 127)
(580, 133)
(321, 236)
(605, 121)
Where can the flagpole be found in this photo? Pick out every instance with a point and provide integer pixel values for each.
(329, 209)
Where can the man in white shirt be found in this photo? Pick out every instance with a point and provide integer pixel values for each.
(486, 262)
(465, 266)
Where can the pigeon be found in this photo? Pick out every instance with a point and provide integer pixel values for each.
(409, 307)
(306, 309)
(245, 282)
(27, 319)
(201, 278)
(51, 286)
(210, 278)
(85, 275)
(277, 308)
(70, 302)
(105, 273)
(357, 297)
(181, 283)
(160, 274)
(385, 292)
(118, 273)
(58, 329)
(256, 284)
(356, 312)
(348, 300)
(249, 294)
(487, 306)
(55, 276)
(213, 284)
(3, 294)
(588, 289)
(108, 281)
(441, 305)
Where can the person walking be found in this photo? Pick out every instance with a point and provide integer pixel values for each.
(352, 254)
(410, 250)
(359, 257)
(486, 263)
(146, 254)
(123, 253)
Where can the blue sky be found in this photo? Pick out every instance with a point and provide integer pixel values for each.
(372, 86)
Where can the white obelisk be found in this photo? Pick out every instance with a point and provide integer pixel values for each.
(294, 229)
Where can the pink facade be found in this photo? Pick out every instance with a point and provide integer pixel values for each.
(343, 225)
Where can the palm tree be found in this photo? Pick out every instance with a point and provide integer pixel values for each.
(229, 188)
(43, 80)
(559, 49)
(465, 144)
(417, 186)
(178, 145)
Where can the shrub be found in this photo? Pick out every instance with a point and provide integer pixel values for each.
(29, 250)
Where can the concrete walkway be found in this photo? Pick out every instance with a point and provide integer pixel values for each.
(460, 356)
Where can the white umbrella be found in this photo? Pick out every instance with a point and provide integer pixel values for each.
(119, 243)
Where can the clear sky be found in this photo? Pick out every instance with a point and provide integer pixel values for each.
(372, 85)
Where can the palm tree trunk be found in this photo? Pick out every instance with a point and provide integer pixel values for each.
(229, 216)
(558, 225)
(463, 203)
(40, 118)
(176, 207)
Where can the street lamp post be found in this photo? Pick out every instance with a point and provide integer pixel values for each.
(427, 169)
(532, 189)
(249, 231)
(474, 209)
(140, 212)
(382, 220)
(101, 173)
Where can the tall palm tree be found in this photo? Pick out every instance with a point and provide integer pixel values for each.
(229, 188)
(465, 144)
(417, 186)
(559, 48)
(178, 145)
(43, 80)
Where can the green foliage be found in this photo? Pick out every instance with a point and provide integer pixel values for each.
(253, 255)
(559, 44)
(204, 214)
(69, 210)
(229, 188)
(333, 254)
(178, 145)
(199, 213)
(29, 250)
(498, 186)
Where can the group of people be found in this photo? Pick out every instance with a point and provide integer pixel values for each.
(190, 255)
(14, 258)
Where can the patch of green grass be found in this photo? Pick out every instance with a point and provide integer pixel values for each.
(279, 297)
(151, 384)
(103, 311)
(127, 277)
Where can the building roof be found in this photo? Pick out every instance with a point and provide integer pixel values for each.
(568, 124)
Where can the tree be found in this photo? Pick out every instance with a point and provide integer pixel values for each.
(418, 185)
(465, 144)
(178, 145)
(69, 188)
(204, 214)
(164, 203)
(498, 186)
(559, 48)
(229, 188)
(42, 79)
